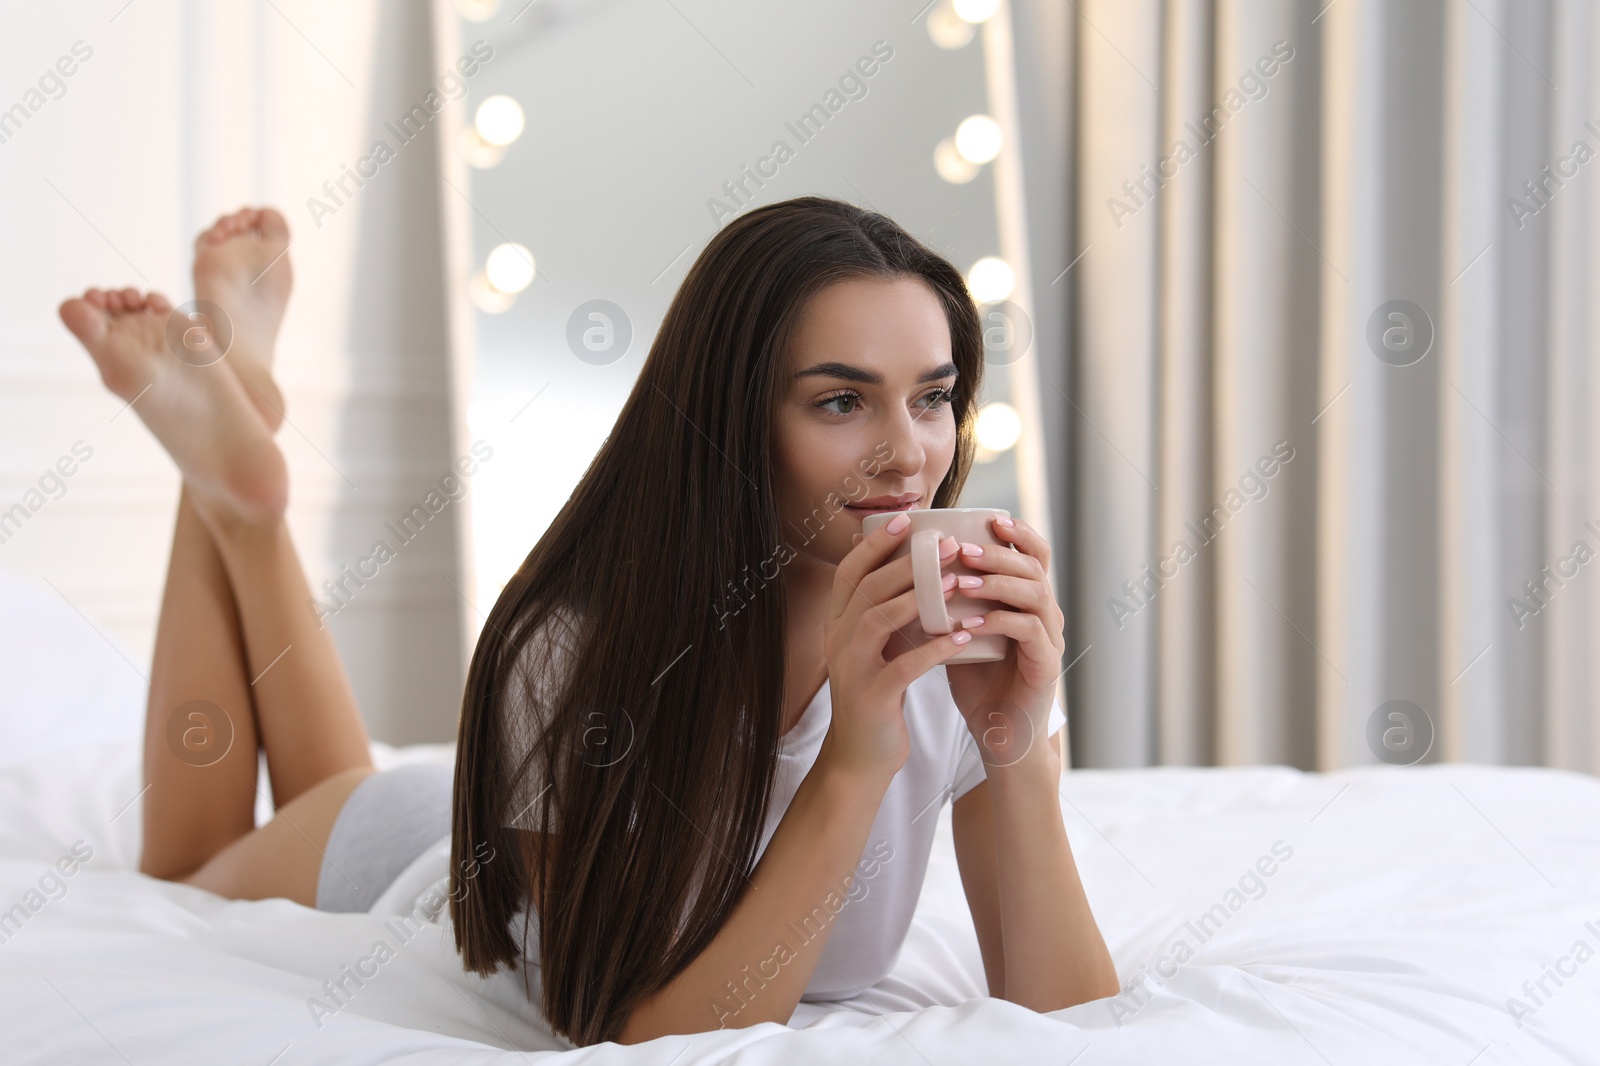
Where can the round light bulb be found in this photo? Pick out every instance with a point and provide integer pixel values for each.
(951, 166)
(978, 138)
(990, 279)
(509, 267)
(973, 11)
(999, 426)
(499, 120)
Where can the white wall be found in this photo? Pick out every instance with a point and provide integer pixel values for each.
(183, 112)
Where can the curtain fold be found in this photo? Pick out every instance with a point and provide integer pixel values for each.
(1331, 465)
(1185, 646)
(1112, 406)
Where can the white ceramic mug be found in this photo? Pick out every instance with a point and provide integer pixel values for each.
(929, 526)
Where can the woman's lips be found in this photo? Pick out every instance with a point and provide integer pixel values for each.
(881, 504)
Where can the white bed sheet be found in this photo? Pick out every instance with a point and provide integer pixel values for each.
(1413, 905)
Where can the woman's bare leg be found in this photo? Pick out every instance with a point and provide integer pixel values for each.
(315, 740)
(200, 815)
(235, 492)
(306, 713)
(200, 732)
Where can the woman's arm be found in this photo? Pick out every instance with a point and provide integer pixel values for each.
(1040, 943)
(1053, 955)
(761, 960)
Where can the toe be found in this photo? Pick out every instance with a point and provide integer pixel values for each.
(96, 297)
(156, 303)
(272, 224)
(86, 321)
(131, 299)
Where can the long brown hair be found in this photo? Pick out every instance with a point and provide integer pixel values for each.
(660, 742)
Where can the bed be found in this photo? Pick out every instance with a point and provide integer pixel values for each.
(1445, 914)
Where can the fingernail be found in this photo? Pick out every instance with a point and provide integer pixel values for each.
(949, 582)
(961, 636)
(898, 523)
(973, 550)
(855, 538)
(969, 582)
(974, 622)
(947, 546)
(1002, 520)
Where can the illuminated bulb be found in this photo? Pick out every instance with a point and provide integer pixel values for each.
(948, 29)
(999, 426)
(951, 167)
(990, 279)
(972, 11)
(499, 120)
(479, 152)
(487, 298)
(978, 138)
(509, 267)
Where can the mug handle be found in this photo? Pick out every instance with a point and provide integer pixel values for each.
(927, 581)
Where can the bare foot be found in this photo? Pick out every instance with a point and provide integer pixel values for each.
(241, 265)
(200, 414)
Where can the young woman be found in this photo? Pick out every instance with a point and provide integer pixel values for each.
(702, 760)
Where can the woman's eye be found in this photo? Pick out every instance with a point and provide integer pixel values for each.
(846, 400)
(937, 399)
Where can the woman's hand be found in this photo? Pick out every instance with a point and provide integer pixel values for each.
(1006, 704)
(870, 601)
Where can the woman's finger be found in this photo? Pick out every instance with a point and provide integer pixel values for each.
(885, 583)
(1024, 536)
(878, 621)
(1038, 654)
(894, 576)
(864, 558)
(910, 665)
(1000, 559)
(881, 585)
(1023, 593)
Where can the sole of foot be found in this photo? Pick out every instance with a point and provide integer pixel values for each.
(241, 266)
(200, 414)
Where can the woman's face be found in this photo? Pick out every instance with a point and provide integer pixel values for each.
(863, 422)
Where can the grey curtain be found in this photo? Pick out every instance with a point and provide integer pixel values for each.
(1321, 276)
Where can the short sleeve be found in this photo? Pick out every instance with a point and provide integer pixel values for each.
(969, 766)
(531, 691)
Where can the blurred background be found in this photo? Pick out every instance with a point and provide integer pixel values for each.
(1286, 306)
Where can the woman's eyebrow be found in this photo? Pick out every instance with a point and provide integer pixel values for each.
(870, 377)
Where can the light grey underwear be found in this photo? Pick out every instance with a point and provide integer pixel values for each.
(389, 819)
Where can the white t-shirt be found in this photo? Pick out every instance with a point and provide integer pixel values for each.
(865, 934)
(943, 766)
